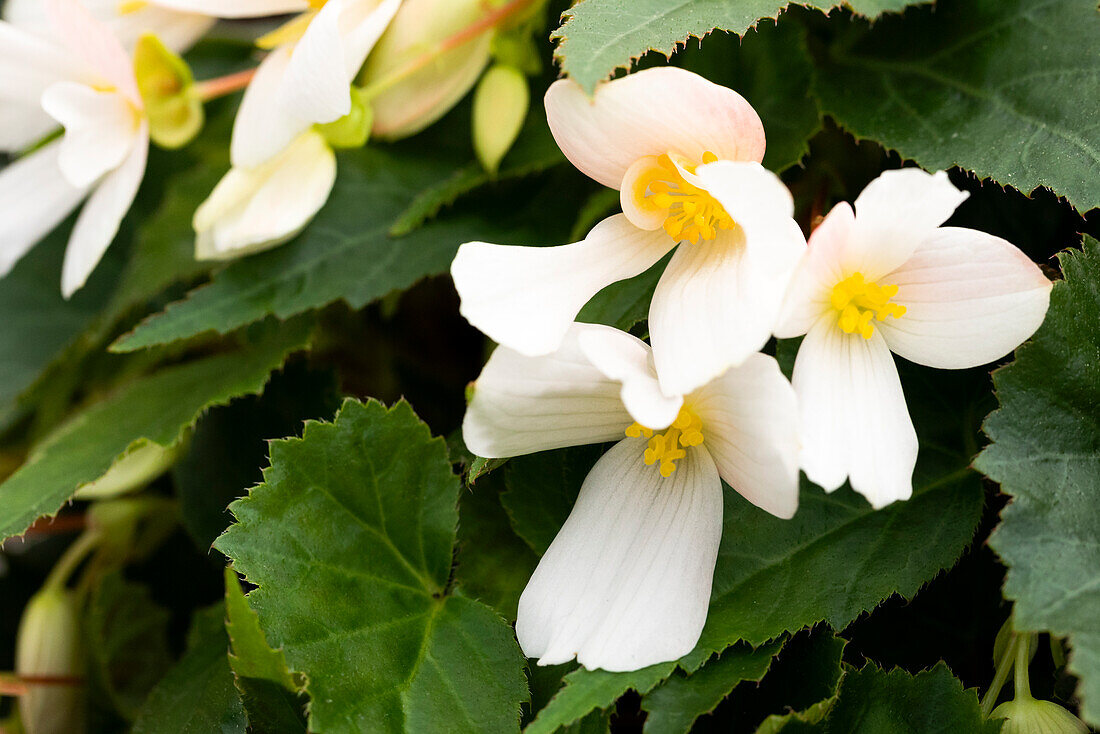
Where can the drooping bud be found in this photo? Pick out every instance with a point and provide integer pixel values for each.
(49, 661)
(500, 106)
(167, 88)
(353, 129)
(134, 470)
(1031, 716)
(432, 32)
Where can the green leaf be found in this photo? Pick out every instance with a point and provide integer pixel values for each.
(600, 36)
(585, 691)
(159, 408)
(350, 541)
(1045, 452)
(268, 691)
(932, 702)
(493, 564)
(674, 705)
(347, 252)
(771, 68)
(808, 673)
(228, 447)
(197, 695)
(1005, 88)
(127, 641)
(626, 302)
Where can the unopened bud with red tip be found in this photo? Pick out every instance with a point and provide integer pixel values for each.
(49, 661)
(500, 106)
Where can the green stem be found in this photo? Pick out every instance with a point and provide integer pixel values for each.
(1023, 684)
(74, 555)
(1004, 667)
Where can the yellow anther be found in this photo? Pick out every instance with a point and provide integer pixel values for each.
(668, 447)
(289, 32)
(857, 302)
(691, 213)
(126, 7)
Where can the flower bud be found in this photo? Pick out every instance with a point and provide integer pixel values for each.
(406, 105)
(167, 88)
(134, 470)
(500, 106)
(353, 129)
(1030, 716)
(48, 658)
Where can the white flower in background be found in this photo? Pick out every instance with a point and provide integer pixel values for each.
(84, 82)
(684, 154)
(626, 582)
(283, 169)
(884, 278)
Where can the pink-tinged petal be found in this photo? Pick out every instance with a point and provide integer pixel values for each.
(527, 297)
(524, 404)
(718, 302)
(177, 30)
(750, 427)
(818, 272)
(628, 360)
(100, 130)
(263, 126)
(894, 214)
(626, 582)
(970, 298)
(90, 39)
(34, 198)
(101, 216)
(29, 64)
(853, 416)
(317, 81)
(237, 8)
(650, 112)
(254, 209)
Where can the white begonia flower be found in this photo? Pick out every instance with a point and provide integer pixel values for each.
(84, 82)
(684, 154)
(283, 169)
(887, 277)
(626, 583)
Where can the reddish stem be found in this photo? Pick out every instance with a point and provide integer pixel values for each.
(209, 89)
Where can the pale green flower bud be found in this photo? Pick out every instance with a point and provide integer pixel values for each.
(500, 106)
(1030, 716)
(406, 105)
(353, 129)
(134, 470)
(48, 647)
(167, 88)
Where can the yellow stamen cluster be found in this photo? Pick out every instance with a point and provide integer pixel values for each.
(858, 301)
(693, 214)
(669, 446)
(126, 7)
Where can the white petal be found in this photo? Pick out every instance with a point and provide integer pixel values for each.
(893, 215)
(91, 40)
(970, 298)
(526, 404)
(255, 209)
(101, 216)
(22, 125)
(853, 415)
(237, 8)
(819, 270)
(754, 196)
(626, 582)
(717, 303)
(263, 126)
(650, 112)
(318, 79)
(34, 198)
(526, 297)
(29, 63)
(627, 359)
(750, 427)
(100, 129)
(177, 30)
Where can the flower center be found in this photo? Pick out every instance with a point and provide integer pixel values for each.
(858, 301)
(657, 187)
(668, 446)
